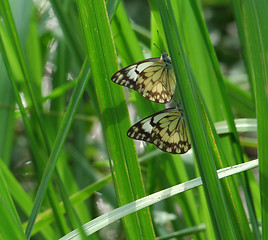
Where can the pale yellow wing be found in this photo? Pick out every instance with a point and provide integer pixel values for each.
(166, 130)
(153, 78)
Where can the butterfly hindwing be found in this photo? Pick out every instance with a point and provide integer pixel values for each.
(166, 130)
(170, 134)
(156, 83)
(153, 78)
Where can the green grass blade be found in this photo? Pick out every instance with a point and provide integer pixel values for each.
(175, 171)
(23, 112)
(22, 200)
(199, 130)
(56, 149)
(7, 116)
(31, 95)
(129, 51)
(114, 116)
(122, 211)
(45, 218)
(10, 226)
(252, 30)
(210, 80)
(67, 25)
(241, 101)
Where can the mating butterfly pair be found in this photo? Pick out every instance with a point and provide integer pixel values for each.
(154, 79)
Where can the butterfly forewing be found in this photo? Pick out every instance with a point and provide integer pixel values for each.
(153, 78)
(141, 130)
(166, 129)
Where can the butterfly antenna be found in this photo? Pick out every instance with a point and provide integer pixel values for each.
(157, 48)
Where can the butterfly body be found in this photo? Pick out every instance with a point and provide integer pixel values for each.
(153, 78)
(166, 130)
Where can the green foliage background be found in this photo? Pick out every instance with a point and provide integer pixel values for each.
(65, 156)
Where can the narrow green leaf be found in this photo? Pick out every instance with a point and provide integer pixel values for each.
(58, 144)
(253, 33)
(198, 128)
(114, 116)
(10, 226)
(107, 218)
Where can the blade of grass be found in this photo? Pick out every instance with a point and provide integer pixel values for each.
(185, 232)
(175, 170)
(6, 115)
(253, 34)
(22, 200)
(129, 51)
(45, 218)
(36, 116)
(114, 116)
(173, 166)
(198, 128)
(10, 226)
(241, 101)
(67, 26)
(56, 149)
(107, 218)
(197, 40)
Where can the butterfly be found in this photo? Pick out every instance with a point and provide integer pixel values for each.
(153, 78)
(165, 129)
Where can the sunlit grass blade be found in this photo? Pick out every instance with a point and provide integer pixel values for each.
(114, 116)
(212, 86)
(122, 211)
(176, 172)
(200, 135)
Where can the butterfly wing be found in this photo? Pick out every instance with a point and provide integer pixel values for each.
(156, 83)
(166, 130)
(153, 78)
(170, 133)
(142, 130)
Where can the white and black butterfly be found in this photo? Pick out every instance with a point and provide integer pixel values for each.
(153, 78)
(165, 129)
